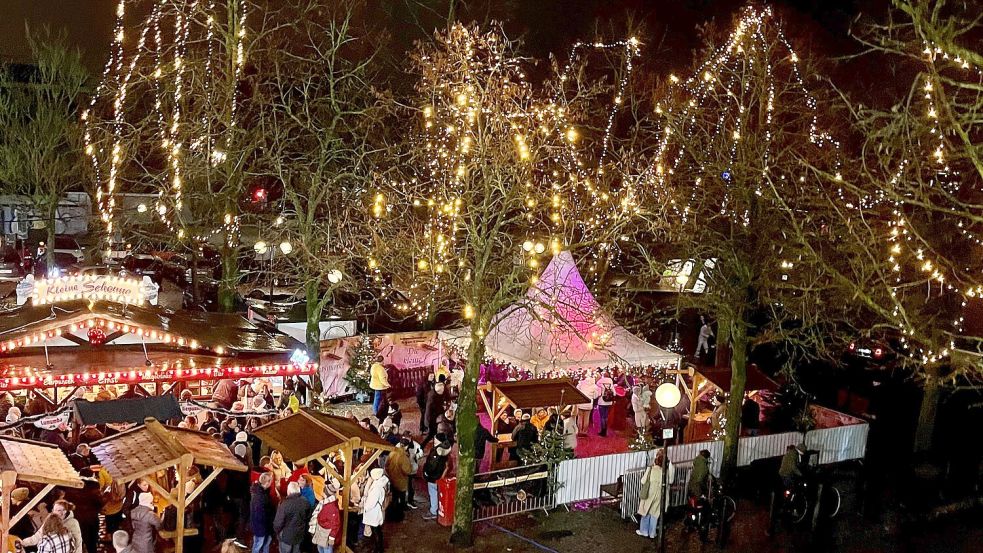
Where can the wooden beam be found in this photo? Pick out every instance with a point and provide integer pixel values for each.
(368, 462)
(30, 504)
(204, 484)
(346, 497)
(329, 467)
(182, 478)
(171, 500)
(9, 481)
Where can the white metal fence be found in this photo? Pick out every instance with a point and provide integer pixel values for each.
(581, 479)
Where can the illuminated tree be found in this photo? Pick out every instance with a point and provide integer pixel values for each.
(922, 169)
(732, 161)
(489, 181)
(40, 130)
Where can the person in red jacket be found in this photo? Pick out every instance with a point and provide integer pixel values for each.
(327, 528)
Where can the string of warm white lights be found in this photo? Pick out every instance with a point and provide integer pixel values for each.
(191, 24)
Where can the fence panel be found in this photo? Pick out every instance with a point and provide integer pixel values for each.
(511, 491)
(843, 443)
(581, 479)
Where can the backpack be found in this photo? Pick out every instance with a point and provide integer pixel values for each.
(607, 394)
(434, 467)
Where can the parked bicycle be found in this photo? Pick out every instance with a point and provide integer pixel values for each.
(710, 510)
(799, 500)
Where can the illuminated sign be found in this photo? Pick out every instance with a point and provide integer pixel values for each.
(89, 287)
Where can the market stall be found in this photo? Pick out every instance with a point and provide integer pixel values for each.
(153, 447)
(560, 325)
(499, 398)
(98, 338)
(707, 380)
(310, 435)
(35, 462)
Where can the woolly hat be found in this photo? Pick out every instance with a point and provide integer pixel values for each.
(526, 416)
(241, 450)
(332, 486)
(242, 437)
(377, 473)
(20, 494)
(146, 499)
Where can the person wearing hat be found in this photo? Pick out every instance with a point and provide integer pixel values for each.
(435, 468)
(789, 471)
(24, 527)
(415, 453)
(145, 524)
(374, 508)
(326, 521)
(523, 437)
(435, 407)
(699, 478)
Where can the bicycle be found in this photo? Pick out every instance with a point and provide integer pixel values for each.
(800, 499)
(710, 510)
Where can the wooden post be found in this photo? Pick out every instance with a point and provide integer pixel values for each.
(9, 481)
(184, 466)
(693, 400)
(346, 496)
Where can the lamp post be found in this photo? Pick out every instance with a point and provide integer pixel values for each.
(667, 396)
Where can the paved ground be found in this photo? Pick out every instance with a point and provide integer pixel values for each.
(601, 530)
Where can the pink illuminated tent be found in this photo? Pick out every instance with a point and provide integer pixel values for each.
(560, 325)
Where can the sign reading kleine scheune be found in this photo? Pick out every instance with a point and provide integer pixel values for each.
(89, 287)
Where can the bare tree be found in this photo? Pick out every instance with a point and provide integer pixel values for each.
(730, 165)
(490, 179)
(40, 130)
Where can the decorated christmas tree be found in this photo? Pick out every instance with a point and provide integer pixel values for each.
(550, 449)
(359, 362)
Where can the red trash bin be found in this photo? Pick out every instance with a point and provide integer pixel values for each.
(446, 489)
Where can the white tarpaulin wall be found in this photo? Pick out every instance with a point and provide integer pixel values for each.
(560, 325)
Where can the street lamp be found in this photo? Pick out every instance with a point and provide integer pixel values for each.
(667, 396)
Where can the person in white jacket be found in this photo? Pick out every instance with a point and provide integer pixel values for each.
(585, 411)
(651, 496)
(64, 510)
(374, 507)
(641, 401)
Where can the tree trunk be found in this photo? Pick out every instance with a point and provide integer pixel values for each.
(925, 431)
(738, 379)
(51, 215)
(312, 334)
(230, 277)
(723, 346)
(467, 423)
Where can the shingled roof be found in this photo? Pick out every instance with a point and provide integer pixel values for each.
(153, 446)
(37, 462)
(527, 394)
(308, 434)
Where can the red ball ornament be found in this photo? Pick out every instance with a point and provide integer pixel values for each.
(97, 336)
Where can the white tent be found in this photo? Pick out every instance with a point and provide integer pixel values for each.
(560, 325)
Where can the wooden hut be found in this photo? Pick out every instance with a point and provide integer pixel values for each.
(310, 435)
(29, 461)
(153, 447)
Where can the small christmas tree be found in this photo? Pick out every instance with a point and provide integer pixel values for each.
(360, 359)
(551, 449)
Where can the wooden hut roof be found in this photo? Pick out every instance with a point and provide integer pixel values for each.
(37, 462)
(308, 434)
(229, 331)
(756, 380)
(527, 394)
(153, 446)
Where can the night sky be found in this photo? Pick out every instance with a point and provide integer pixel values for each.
(545, 25)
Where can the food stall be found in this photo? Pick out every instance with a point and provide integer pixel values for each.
(97, 337)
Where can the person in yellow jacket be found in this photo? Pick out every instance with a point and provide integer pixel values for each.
(379, 382)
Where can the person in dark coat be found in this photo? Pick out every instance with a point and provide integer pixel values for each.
(261, 513)
(750, 416)
(291, 521)
(435, 408)
(422, 392)
(481, 437)
(523, 436)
